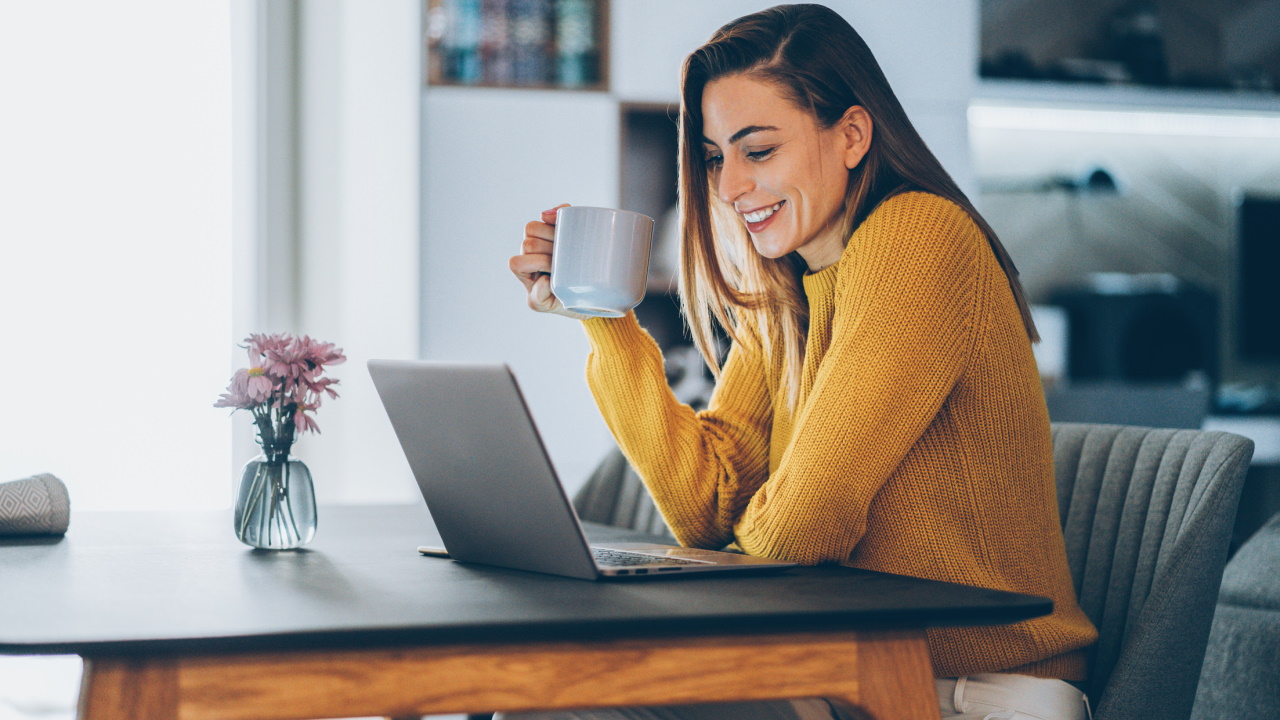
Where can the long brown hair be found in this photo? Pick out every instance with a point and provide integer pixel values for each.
(820, 63)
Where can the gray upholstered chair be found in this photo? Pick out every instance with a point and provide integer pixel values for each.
(1241, 675)
(1147, 516)
(614, 495)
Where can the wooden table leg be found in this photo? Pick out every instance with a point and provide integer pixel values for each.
(136, 688)
(895, 680)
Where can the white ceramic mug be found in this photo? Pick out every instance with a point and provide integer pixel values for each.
(600, 259)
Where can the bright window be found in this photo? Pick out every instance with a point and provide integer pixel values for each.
(115, 247)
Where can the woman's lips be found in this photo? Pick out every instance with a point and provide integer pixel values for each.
(762, 217)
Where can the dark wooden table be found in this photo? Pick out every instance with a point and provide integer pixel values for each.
(176, 619)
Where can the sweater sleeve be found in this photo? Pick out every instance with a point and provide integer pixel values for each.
(907, 299)
(702, 468)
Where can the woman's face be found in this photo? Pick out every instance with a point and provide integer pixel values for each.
(783, 173)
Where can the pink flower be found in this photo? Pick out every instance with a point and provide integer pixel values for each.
(299, 357)
(251, 384)
(322, 353)
(286, 361)
(258, 345)
(304, 422)
(248, 388)
(296, 394)
(283, 385)
(320, 386)
(258, 385)
(234, 399)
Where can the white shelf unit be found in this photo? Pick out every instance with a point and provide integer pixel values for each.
(1124, 97)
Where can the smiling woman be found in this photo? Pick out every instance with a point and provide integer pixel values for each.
(880, 406)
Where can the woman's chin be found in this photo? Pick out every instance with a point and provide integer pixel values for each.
(770, 250)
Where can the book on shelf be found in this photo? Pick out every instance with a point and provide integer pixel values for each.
(515, 43)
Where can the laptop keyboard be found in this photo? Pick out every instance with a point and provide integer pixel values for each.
(618, 558)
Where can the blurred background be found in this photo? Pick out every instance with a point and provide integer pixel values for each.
(174, 176)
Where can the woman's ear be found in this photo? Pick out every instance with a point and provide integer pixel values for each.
(856, 128)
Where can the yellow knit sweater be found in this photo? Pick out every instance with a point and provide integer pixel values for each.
(919, 444)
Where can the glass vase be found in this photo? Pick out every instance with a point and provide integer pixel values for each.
(276, 503)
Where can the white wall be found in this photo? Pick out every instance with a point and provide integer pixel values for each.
(494, 158)
(358, 226)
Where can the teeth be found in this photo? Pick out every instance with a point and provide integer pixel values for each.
(762, 214)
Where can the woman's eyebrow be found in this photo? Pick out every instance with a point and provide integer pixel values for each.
(741, 133)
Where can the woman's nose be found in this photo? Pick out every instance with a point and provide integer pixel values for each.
(735, 181)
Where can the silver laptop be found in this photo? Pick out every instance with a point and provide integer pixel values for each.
(490, 486)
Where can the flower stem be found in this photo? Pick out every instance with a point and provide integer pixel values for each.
(253, 497)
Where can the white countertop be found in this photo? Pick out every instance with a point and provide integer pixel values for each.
(1264, 430)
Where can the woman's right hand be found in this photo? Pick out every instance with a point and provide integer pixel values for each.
(533, 264)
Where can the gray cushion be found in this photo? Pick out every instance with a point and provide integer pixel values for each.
(1252, 578)
(1241, 674)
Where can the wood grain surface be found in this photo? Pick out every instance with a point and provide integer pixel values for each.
(876, 674)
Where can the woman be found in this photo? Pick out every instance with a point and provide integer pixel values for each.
(880, 406)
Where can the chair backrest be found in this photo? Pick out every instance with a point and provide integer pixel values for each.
(615, 495)
(1147, 516)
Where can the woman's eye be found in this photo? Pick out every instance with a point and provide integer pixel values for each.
(714, 161)
(760, 154)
